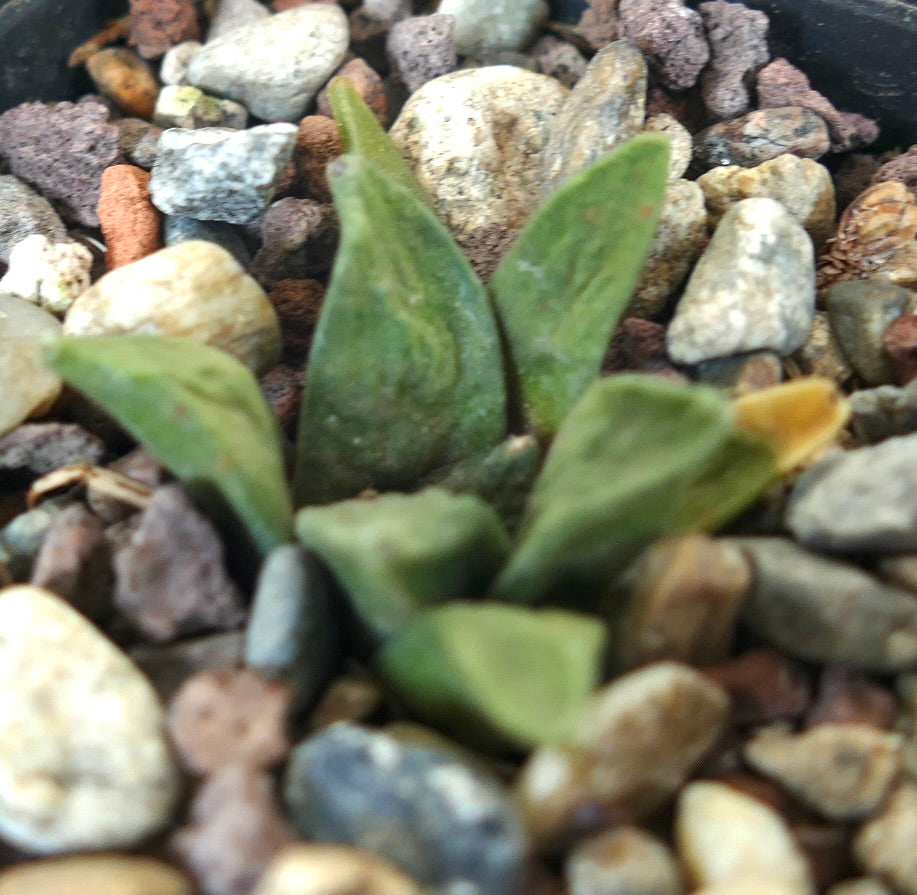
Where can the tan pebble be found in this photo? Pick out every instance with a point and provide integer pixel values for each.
(94, 875)
(129, 221)
(125, 79)
(821, 355)
(346, 699)
(865, 885)
(317, 143)
(884, 847)
(746, 885)
(368, 85)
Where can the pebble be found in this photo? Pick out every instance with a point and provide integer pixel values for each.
(298, 304)
(173, 70)
(24, 213)
(494, 24)
(21, 538)
(781, 84)
(421, 48)
(742, 373)
(860, 313)
(670, 36)
(129, 221)
(94, 875)
(451, 132)
(683, 597)
(62, 149)
(850, 617)
(123, 77)
(40, 448)
(723, 835)
(802, 186)
(558, 59)
(368, 85)
(310, 869)
(28, 387)
(274, 66)
(636, 344)
(138, 141)
(680, 142)
(157, 25)
(169, 577)
(632, 748)
(486, 248)
(49, 274)
(194, 289)
(438, 820)
(177, 229)
(902, 168)
(681, 232)
(738, 48)
(231, 14)
(624, 860)
(862, 500)
(187, 106)
(900, 344)
(821, 355)
(369, 25)
(863, 886)
(291, 632)
(298, 240)
(351, 697)
(85, 763)
(235, 828)
(842, 771)
(318, 142)
(753, 288)
(760, 136)
(885, 846)
(606, 108)
(747, 885)
(849, 697)
(220, 174)
(227, 716)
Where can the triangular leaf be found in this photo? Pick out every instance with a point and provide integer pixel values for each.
(493, 674)
(405, 373)
(562, 287)
(201, 413)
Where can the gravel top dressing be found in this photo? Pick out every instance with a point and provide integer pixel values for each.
(455, 451)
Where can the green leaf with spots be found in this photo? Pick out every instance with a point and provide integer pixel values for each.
(496, 675)
(397, 553)
(638, 457)
(199, 411)
(561, 289)
(405, 374)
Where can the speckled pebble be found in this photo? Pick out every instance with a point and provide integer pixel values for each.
(49, 274)
(187, 106)
(139, 141)
(421, 48)
(42, 447)
(24, 213)
(231, 14)
(494, 24)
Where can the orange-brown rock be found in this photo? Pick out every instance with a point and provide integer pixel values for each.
(368, 85)
(122, 76)
(129, 221)
(297, 303)
(157, 25)
(317, 143)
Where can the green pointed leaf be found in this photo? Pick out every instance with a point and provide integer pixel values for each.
(639, 457)
(405, 373)
(562, 287)
(495, 674)
(398, 553)
(199, 411)
(362, 135)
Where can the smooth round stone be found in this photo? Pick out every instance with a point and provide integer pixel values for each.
(195, 290)
(276, 65)
(680, 142)
(753, 288)
(885, 845)
(187, 106)
(174, 67)
(474, 139)
(84, 762)
(231, 14)
(22, 213)
(50, 274)
(94, 875)
(28, 387)
(494, 24)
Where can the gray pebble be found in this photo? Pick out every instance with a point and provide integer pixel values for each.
(22, 213)
(558, 59)
(494, 24)
(760, 136)
(298, 239)
(43, 447)
(861, 500)
(274, 66)
(139, 141)
(219, 174)
(860, 311)
(178, 229)
(291, 632)
(22, 537)
(753, 288)
(421, 48)
(878, 413)
(232, 14)
(605, 108)
(741, 373)
(440, 821)
(174, 67)
(186, 106)
(824, 611)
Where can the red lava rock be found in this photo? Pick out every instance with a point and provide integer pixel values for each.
(902, 168)
(43, 447)
(282, 387)
(235, 829)
(558, 59)
(169, 577)
(848, 697)
(782, 84)
(369, 25)
(636, 343)
(317, 143)
(298, 239)
(298, 304)
(764, 686)
(230, 717)
(123, 77)
(485, 247)
(61, 148)
(157, 25)
(129, 221)
(598, 25)
(421, 48)
(368, 85)
(74, 562)
(900, 342)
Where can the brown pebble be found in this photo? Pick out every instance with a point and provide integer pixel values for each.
(485, 247)
(129, 221)
(850, 697)
(122, 76)
(229, 716)
(900, 343)
(157, 25)
(902, 168)
(636, 343)
(348, 698)
(298, 239)
(282, 387)
(368, 85)
(298, 304)
(317, 143)
(558, 59)
(235, 830)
